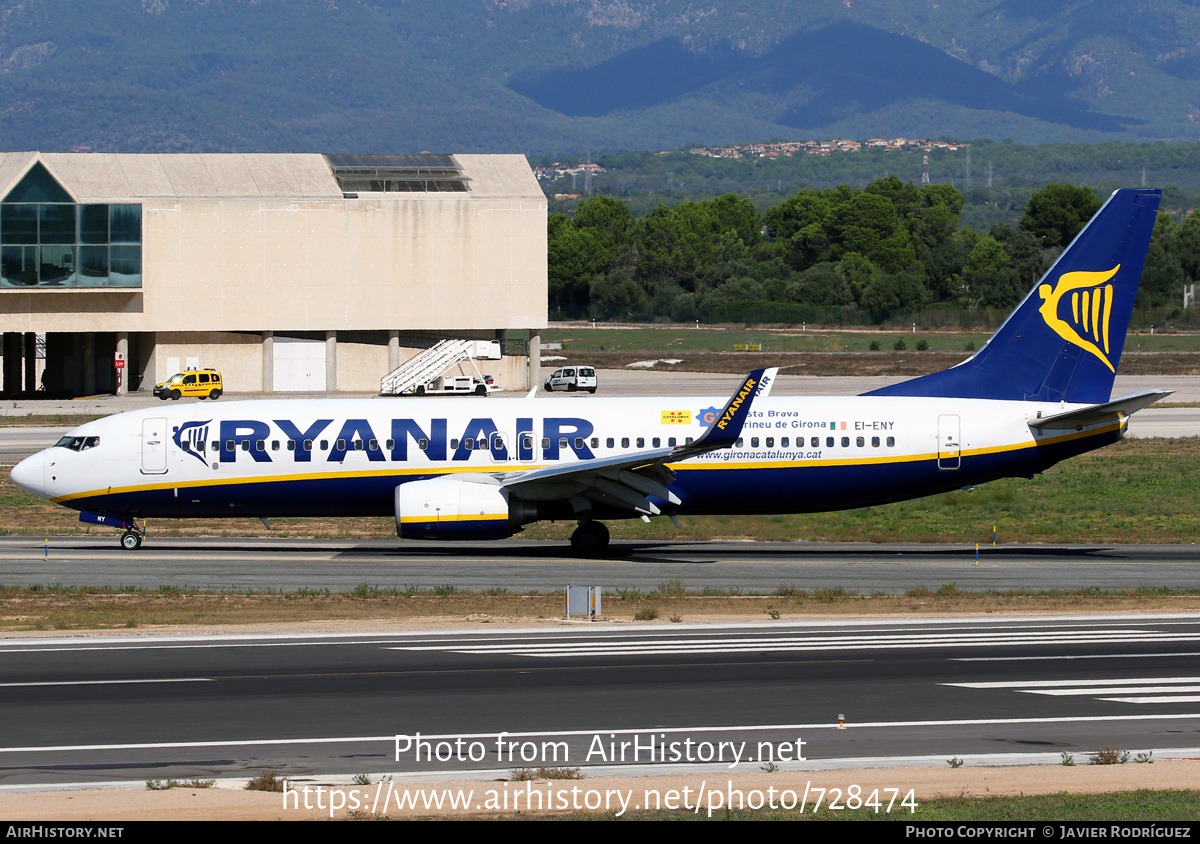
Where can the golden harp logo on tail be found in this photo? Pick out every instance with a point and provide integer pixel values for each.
(1088, 310)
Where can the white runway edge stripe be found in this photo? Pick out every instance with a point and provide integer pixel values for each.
(610, 647)
(106, 682)
(1140, 690)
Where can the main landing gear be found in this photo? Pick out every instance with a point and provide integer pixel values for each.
(590, 539)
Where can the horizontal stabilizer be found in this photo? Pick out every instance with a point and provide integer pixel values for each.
(1118, 407)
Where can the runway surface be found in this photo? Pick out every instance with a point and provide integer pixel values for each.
(517, 565)
(690, 697)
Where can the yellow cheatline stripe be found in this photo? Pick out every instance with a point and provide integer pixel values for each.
(277, 478)
(482, 517)
(499, 468)
(900, 458)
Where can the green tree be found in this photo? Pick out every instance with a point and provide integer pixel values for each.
(575, 257)
(1059, 212)
(799, 226)
(1163, 275)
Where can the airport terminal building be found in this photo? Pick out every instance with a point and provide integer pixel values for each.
(287, 272)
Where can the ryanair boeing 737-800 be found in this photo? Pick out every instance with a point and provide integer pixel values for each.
(1037, 392)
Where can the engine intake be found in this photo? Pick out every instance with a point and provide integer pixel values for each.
(451, 508)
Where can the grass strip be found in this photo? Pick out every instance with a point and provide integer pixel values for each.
(25, 608)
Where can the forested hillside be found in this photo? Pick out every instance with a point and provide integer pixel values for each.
(841, 255)
(996, 178)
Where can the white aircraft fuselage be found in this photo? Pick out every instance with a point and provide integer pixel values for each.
(345, 457)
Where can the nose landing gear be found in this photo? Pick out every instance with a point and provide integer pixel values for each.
(133, 535)
(131, 540)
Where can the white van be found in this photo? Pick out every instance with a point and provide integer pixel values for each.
(572, 378)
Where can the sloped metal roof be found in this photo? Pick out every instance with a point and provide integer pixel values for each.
(120, 177)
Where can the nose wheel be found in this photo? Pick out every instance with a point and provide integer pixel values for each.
(590, 539)
(131, 539)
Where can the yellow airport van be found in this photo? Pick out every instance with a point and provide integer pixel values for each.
(201, 383)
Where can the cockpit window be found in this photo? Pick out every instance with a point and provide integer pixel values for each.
(78, 443)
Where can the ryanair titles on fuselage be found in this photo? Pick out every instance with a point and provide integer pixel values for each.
(381, 440)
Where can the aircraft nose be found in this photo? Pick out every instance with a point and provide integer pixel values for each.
(30, 474)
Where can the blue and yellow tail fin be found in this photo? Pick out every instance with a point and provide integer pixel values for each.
(1063, 342)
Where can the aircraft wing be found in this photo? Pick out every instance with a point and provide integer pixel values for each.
(627, 481)
(1115, 409)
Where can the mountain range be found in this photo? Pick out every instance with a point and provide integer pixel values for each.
(542, 76)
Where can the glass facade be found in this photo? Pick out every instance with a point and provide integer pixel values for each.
(49, 241)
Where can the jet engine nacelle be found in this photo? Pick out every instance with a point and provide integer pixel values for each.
(450, 508)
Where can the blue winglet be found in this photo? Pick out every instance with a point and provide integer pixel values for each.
(727, 427)
(1064, 341)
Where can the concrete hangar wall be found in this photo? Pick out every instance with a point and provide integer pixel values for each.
(286, 272)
